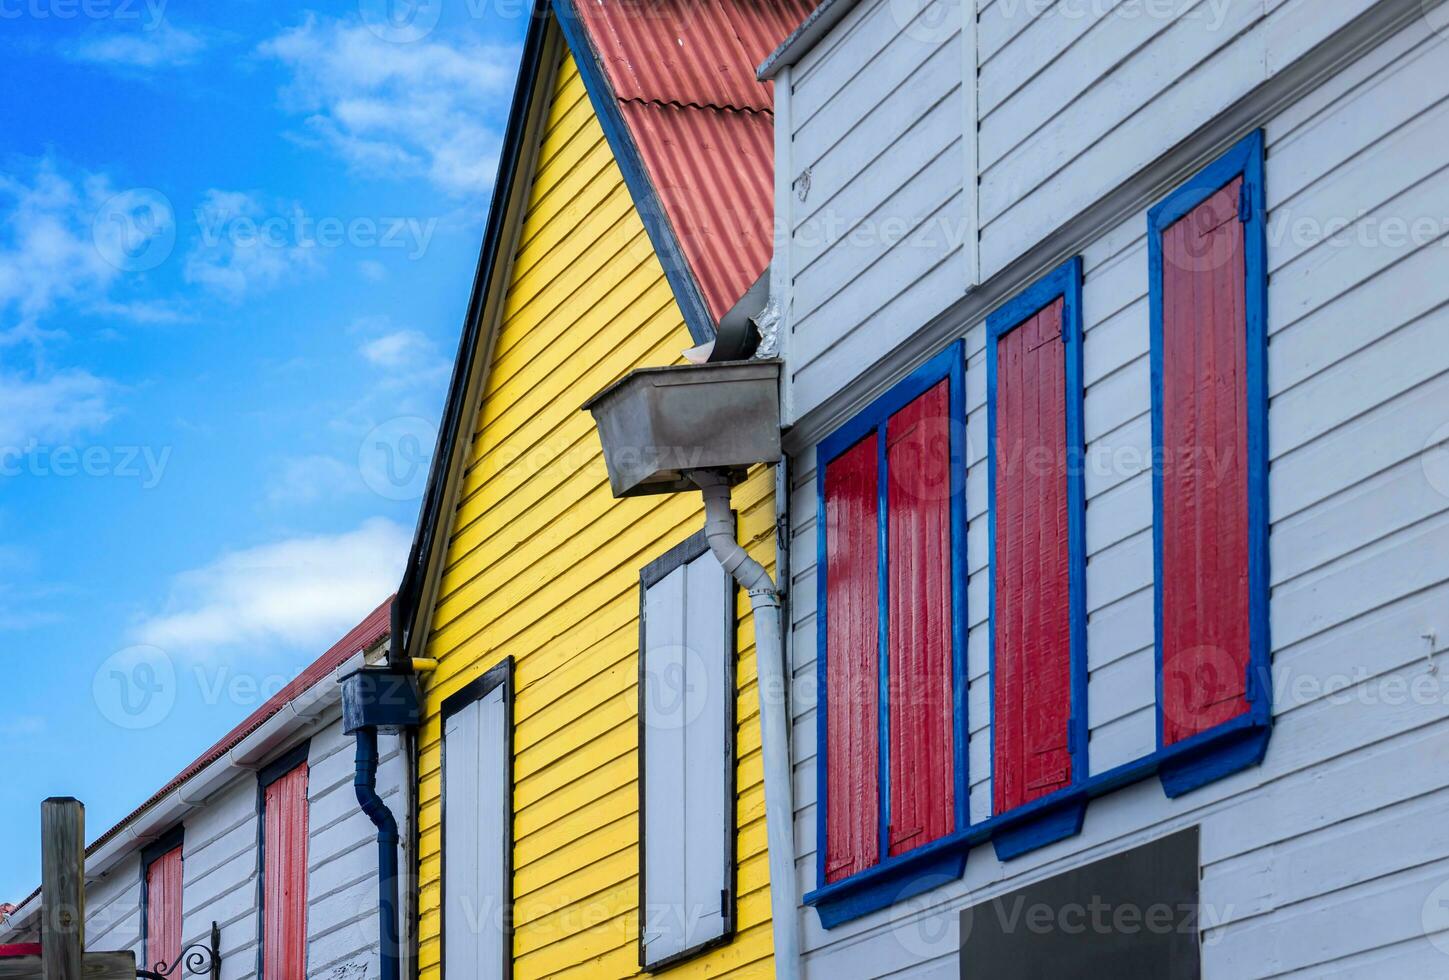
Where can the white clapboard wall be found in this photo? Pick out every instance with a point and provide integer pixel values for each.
(1072, 97)
(1326, 859)
(220, 871)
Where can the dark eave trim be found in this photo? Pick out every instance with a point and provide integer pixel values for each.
(433, 513)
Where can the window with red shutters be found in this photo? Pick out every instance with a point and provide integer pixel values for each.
(892, 599)
(1205, 496)
(163, 909)
(284, 875)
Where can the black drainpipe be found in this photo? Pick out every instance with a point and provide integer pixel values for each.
(386, 699)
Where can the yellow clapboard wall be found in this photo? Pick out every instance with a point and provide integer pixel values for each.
(543, 565)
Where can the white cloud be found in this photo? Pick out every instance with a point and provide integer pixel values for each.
(398, 109)
(245, 248)
(51, 408)
(309, 479)
(47, 250)
(162, 46)
(302, 592)
(372, 269)
(399, 350)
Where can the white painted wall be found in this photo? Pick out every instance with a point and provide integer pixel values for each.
(219, 872)
(898, 113)
(1325, 860)
(877, 228)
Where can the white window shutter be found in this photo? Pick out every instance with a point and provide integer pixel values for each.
(686, 702)
(476, 837)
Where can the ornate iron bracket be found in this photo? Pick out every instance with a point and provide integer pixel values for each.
(200, 959)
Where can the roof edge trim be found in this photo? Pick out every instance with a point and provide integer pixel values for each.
(804, 37)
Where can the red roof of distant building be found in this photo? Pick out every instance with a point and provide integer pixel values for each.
(683, 72)
(365, 634)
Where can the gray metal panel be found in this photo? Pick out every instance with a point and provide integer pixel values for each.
(1132, 915)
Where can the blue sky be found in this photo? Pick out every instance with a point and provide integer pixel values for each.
(236, 244)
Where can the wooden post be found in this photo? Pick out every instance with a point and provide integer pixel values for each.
(62, 887)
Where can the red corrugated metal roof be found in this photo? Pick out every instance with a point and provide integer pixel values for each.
(683, 72)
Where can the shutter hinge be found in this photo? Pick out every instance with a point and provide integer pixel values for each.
(1245, 202)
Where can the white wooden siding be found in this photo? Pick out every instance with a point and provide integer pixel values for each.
(878, 239)
(1071, 98)
(1328, 859)
(219, 869)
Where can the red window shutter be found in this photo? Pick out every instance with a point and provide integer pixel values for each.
(852, 509)
(284, 896)
(163, 910)
(1032, 672)
(918, 461)
(1205, 590)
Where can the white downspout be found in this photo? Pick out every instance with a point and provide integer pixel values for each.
(719, 529)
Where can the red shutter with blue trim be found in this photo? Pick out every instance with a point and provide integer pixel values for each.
(852, 511)
(1032, 670)
(1205, 589)
(918, 461)
(163, 910)
(284, 868)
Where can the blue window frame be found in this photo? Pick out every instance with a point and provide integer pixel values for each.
(1243, 741)
(894, 878)
(1182, 767)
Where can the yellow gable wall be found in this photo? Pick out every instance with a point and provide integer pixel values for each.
(543, 565)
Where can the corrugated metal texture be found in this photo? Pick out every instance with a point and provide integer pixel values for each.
(1205, 592)
(852, 509)
(1033, 565)
(163, 910)
(918, 459)
(683, 72)
(543, 564)
(690, 52)
(714, 172)
(284, 871)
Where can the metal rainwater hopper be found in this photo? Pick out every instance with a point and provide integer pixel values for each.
(658, 424)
